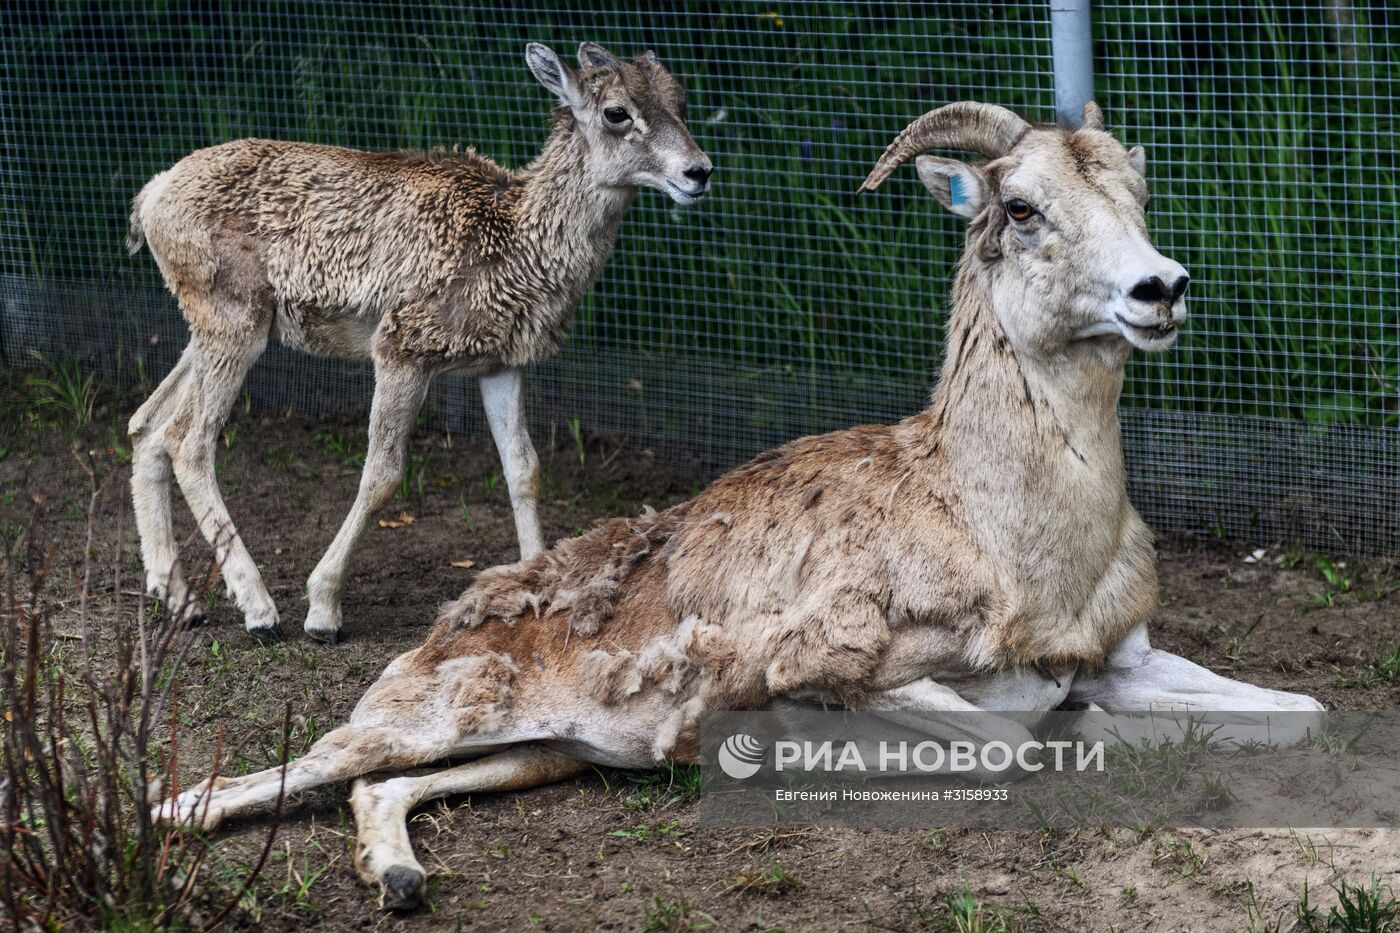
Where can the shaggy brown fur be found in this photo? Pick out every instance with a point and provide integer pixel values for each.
(422, 262)
(464, 261)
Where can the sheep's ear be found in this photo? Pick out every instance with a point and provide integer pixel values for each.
(591, 54)
(556, 76)
(959, 187)
(1137, 158)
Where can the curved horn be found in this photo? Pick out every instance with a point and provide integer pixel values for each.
(1093, 116)
(982, 128)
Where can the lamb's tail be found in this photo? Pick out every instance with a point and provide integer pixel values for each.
(152, 192)
(135, 236)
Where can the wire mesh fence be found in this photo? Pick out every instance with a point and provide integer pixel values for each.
(784, 304)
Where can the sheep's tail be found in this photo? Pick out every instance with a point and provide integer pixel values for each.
(135, 236)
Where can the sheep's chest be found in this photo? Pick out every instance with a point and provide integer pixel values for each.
(1074, 612)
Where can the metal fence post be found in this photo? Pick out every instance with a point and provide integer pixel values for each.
(1072, 45)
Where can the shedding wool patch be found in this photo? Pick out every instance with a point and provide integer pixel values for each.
(581, 576)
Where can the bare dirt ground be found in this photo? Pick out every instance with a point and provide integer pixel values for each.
(618, 851)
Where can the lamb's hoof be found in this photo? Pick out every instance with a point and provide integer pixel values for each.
(323, 622)
(266, 633)
(326, 636)
(401, 888)
(191, 615)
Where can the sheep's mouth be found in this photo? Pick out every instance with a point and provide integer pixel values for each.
(1157, 336)
(682, 196)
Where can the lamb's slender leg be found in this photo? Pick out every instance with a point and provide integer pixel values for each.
(504, 397)
(385, 855)
(339, 755)
(207, 394)
(150, 495)
(1136, 677)
(398, 394)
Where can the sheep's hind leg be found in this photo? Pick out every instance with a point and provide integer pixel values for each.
(151, 475)
(206, 396)
(384, 855)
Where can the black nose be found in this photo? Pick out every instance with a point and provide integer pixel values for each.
(1155, 291)
(698, 174)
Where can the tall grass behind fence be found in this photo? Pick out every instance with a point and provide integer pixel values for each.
(784, 304)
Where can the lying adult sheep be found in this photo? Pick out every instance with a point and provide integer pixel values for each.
(979, 555)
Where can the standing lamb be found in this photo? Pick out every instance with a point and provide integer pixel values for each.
(423, 263)
(979, 555)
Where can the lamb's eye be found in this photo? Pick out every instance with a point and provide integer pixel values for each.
(1019, 210)
(616, 115)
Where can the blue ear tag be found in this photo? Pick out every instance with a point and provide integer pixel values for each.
(955, 192)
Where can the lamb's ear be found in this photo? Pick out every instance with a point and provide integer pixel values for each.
(556, 76)
(593, 54)
(959, 187)
(1137, 158)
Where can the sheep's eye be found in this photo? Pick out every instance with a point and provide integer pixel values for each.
(1019, 210)
(616, 115)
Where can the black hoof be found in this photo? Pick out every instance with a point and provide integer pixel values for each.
(268, 634)
(402, 888)
(192, 617)
(324, 636)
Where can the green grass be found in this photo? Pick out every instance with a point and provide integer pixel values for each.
(1267, 131)
(1359, 908)
(772, 879)
(666, 786)
(673, 916)
(1384, 670)
(960, 912)
(61, 392)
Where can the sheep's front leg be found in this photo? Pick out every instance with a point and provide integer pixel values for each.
(503, 395)
(1136, 677)
(398, 394)
(339, 755)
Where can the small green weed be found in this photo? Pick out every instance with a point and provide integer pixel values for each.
(1338, 582)
(1383, 670)
(666, 786)
(576, 432)
(772, 879)
(643, 832)
(1359, 909)
(678, 916)
(62, 393)
(959, 911)
(349, 453)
